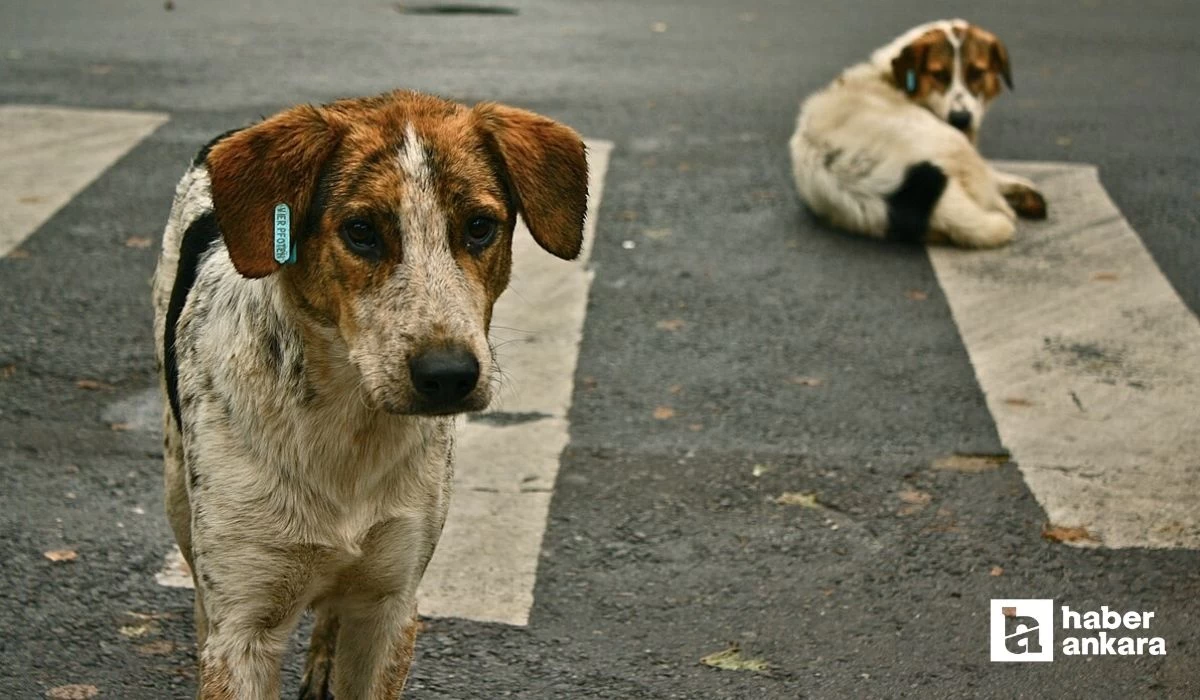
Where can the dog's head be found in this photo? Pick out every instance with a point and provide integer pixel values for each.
(404, 206)
(952, 68)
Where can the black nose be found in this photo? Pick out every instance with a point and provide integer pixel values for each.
(960, 119)
(444, 376)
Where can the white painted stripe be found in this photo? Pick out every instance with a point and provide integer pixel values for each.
(1090, 363)
(49, 154)
(486, 563)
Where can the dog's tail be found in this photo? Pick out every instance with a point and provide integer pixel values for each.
(911, 205)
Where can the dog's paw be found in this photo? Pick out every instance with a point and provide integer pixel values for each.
(1026, 201)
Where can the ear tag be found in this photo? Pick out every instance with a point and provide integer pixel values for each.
(910, 81)
(285, 247)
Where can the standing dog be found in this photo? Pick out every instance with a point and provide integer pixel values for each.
(322, 305)
(888, 149)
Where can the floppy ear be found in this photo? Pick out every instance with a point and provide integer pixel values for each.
(546, 166)
(1000, 64)
(274, 162)
(908, 66)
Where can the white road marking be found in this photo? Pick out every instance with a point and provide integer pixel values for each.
(1090, 363)
(486, 563)
(49, 154)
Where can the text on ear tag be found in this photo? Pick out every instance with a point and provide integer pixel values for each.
(285, 249)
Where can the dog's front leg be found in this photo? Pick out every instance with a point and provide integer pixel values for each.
(252, 598)
(377, 615)
(1022, 195)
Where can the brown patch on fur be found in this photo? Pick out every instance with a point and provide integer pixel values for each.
(276, 161)
(985, 62)
(216, 681)
(401, 662)
(547, 167)
(931, 58)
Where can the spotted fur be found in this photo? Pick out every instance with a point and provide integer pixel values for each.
(874, 152)
(303, 468)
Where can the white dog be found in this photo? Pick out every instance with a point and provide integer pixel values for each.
(888, 149)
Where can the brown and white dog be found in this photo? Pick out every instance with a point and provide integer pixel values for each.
(309, 435)
(888, 149)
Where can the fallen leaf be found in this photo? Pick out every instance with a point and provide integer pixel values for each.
(731, 659)
(1018, 401)
(589, 383)
(806, 381)
(805, 499)
(75, 691)
(997, 571)
(695, 427)
(1106, 277)
(675, 389)
(159, 647)
(137, 242)
(17, 254)
(629, 215)
(7, 371)
(31, 199)
(759, 470)
(657, 234)
(684, 167)
(672, 324)
(91, 385)
(664, 413)
(658, 27)
(139, 630)
(1064, 533)
(1063, 141)
(916, 295)
(61, 555)
(969, 464)
(915, 497)
(120, 427)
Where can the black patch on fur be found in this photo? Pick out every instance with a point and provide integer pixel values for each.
(911, 205)
(202, 155)
(274, 350)
(832, 156)
(198, 238)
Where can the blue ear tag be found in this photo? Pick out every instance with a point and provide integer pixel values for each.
(910, 80)
(285, 247)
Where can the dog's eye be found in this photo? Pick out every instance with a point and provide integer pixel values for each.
(943, 76)
(973, 74)
(361, 238)
(480, 231)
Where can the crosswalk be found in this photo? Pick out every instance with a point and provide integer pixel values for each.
(1089, 362)
(1086, 355)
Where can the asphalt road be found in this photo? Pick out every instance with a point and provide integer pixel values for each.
(662, 545)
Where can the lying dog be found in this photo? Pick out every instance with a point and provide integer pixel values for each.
(888, 149)
(322, 305)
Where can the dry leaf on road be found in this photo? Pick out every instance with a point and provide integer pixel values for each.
(138, 242)
(61, 555)
(805, 499)
(672, 324)
(1063, 533)
(731, 659)
(664, 413)
(75, 691)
